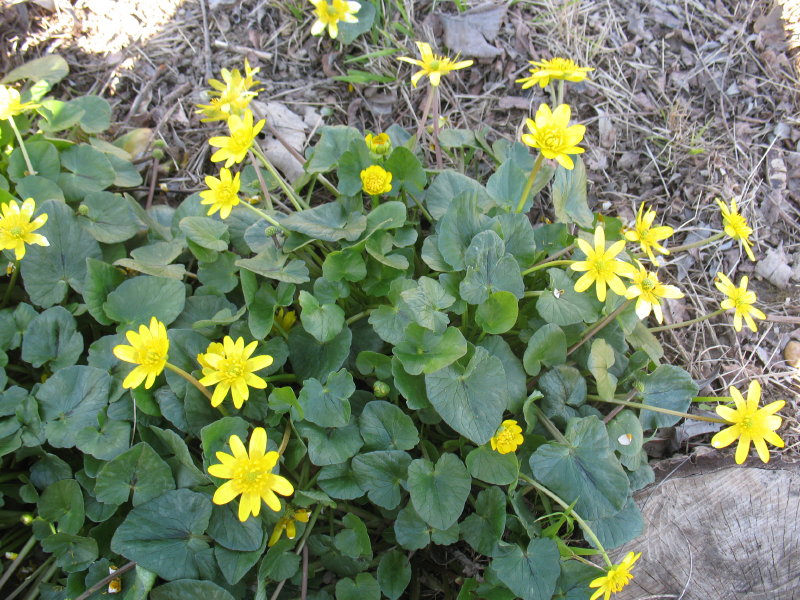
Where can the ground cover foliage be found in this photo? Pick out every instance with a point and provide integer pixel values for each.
(437, 377)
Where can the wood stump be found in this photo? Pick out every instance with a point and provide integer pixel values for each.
(718, 531)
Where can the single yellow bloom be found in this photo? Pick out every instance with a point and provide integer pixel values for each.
(601, 266)
(507, 438)
(285, 319)
(231, 96)
(739, 299)
(555, 68)
(250, 475)
(376, 180)
(148, 351)
(223, 193)
(16, 227)
(648, 291)
(330, 13)
(647, 235)
(233, 148)
(286, 524)
(232, 368)
(10, 105)
(749, 423)
(736, 227)
(616, 578)
(379, 145)
(552, 134)
(432, 65)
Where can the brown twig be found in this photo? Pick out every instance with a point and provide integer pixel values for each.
(437, 148)
(104, 582)
(304, 582)
(153, 179)
(206, 41)
(242, 49)
(145, 90)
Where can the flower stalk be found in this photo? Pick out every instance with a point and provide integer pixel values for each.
(537, 166)
(687, 323)
(591, 332)
(547, 265)
(22, 148)
(666, 411)
(698, 243)
(584, 525)
(12, 282)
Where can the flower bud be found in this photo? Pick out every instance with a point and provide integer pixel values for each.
(271, 230)
(380, 389)
(83, 210)
(379, 145)
(158, 154)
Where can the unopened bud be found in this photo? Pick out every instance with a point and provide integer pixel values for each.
(380, 389)
(26, 519)
(10, 268)
(159, 144)
(271, 230)
(83, 210)
(158, 154)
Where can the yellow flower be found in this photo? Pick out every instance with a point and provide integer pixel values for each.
(601, 266)
(432, 65)
(552, 134)
(330, 13)
(10, 105)
(649, 290)
(379, 145)
(233, 148)
(223, 193)
(250, 475)
(376, 180)
(148, 351)
(736, 226)
(231, 96)
(16, 227)
(647, 235)
(232, 368)
(507, 437)
(555, 68)
(287, 524)
(616, 578)
(285, 319)
(739, 299)
(749, 423)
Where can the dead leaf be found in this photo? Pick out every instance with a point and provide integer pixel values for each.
(608, 134)
(774, 267)
(292, 129)
(470, 32)
(507, 102)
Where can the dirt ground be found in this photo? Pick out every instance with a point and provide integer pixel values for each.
(690, 100)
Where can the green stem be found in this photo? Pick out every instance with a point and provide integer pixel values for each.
(18, 561)
(558, 254)
(357, 316)
(547, 265)
(584, 525)
(265, 216)
(591, 332)
(549, 425)
(287, 432)
(262, 184)
(203, 389)
(529, 184)
(300, 545)
(437, 148)
(422, 209)
(296, 200)
(533, 293)
(281, 377)
(666, 411)
(22, 146)
(698, 243)
(11, 284)
(712, 399)
(560, 93)
(687, 323)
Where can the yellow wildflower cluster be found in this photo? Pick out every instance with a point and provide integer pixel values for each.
(231, 366)
(231, 96)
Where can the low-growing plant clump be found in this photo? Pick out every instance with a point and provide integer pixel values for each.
(321, 388)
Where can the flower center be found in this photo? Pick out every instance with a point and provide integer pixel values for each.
(241, 140)
(16, 231)
(434, 65)
(151, 356)
(647, 284)
(233, 369)
(618, 579)
(252, 476)
(225, 193)
(332, 11)
(551, 137)
(739, 225)
(505, 437)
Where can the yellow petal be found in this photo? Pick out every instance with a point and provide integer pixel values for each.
(742, 450)
(258, 442)
(237, 447)
(724, 438)
(221, 471)
(226, 492)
